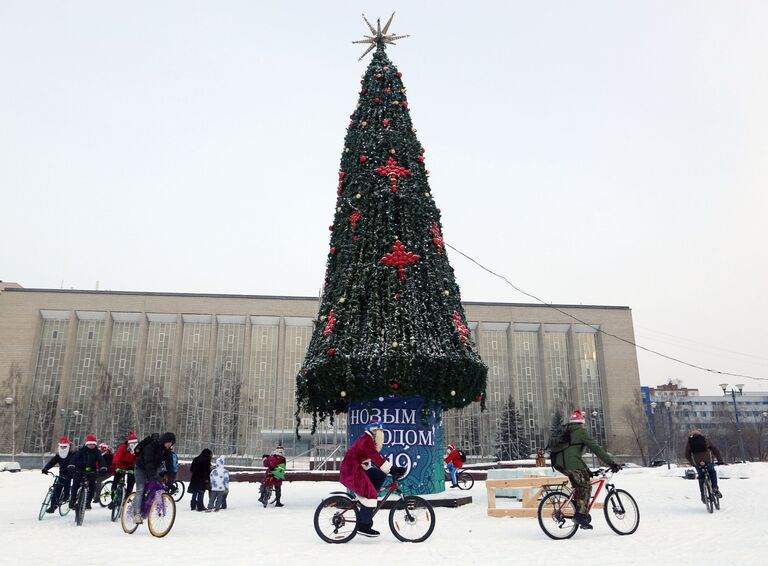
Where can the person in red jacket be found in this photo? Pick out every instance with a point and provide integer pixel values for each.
(454, 463)
(123, 461)
(363, 471)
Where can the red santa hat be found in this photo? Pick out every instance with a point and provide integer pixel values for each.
(451, 447)
(577, 417)
(132, 437)
(63, 441)
(90, 439)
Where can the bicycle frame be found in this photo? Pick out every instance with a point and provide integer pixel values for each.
(389, 488)
(600, 482)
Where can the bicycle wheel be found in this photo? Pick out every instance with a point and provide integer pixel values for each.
(556, 516)
(82, 495)
(64, 506)
(716, 501)
(117, 501)
(708, 495)
(621, 512)
(162, 515)
(178, 490)
(412, 519)
(46, 503)
(126, 515)
(105, 495)
(465, 481)
(266, 495)
(336, 519)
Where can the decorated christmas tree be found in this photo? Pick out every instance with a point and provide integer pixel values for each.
(391, 320)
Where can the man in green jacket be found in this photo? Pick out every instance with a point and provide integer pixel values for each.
(569, 461)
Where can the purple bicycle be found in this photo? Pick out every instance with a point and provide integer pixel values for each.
(157, 507)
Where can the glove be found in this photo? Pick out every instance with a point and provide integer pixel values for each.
(45, 472)
(397, 471)
(103, 472)
(615, 467)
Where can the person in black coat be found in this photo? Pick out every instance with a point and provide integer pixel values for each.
(62, 459)
(87, 462)
(199, 481)
(152, 454)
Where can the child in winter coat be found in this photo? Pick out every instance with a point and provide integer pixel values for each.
(219, 485)
(275, 474)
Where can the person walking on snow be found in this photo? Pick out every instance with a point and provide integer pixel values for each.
(219, 485)
(363, 471)
(274, 475)
(454, 463)
(569, 462)
(200, 479)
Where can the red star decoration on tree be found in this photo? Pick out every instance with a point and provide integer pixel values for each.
(393, 171)
(400, 259)
(330, 325)
(462, 329)
(437, 237)
(354, 218)
(341, 179)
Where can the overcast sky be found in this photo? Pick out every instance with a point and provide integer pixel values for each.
(608, 153)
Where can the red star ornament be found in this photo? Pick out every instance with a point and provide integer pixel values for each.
(354, 218)
(461, 328)
(330, 325)
(400, 259)
(392, 170)
(437, 237)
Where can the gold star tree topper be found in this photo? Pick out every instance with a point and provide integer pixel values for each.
(379, 36)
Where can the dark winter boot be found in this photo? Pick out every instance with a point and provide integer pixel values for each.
(365, 522)
(278, 493)
(583, 520)
(367, 530)
(50, 509)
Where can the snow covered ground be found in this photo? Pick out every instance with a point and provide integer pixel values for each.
(675, 529)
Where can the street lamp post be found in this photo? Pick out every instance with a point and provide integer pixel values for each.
(740, 387)
(11, 403)
(65, 414)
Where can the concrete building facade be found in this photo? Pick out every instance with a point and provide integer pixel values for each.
(220, 370)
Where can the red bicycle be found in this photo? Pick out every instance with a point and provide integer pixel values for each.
(411, 518)
(557, 507)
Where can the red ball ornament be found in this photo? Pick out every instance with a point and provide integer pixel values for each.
(363, 91)
(397, 295)
(385, 122)
(423, 150)
(377, 100)
(363, 159)
(421, 159)
(333, 250)
(404, 104)
(399, 74)
(395, 386)
(330, 228)
(331, 351)
(479, 398)
(387, 90)
(354, 238)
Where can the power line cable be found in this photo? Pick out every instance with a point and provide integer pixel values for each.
(630, 342)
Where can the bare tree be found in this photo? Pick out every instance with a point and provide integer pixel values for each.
(635, 417)
(10, 387)
(41, 412)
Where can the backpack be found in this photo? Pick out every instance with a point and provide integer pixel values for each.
(142, 445)
(462, 456)
(557, 444)
(697, 443)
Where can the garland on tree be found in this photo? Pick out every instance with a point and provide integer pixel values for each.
(391, 320)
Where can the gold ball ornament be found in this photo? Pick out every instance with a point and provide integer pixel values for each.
(426, 172)
(363, 123)
(395, 103)
(446, 293)
(378, 75)
(343, 393)
(395, 344)
(343, 300)
(403, 90)
(413, 130)
(358, 196)
(347, 150)
(392, 152)
(426, 195)
(338, 209)
(453, 393)
(322, 317)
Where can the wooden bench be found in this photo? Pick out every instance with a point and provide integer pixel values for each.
(532, 488)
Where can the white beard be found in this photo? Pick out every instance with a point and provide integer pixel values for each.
(63, 452)
(378, 439)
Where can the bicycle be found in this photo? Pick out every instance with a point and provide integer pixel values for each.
(708, 496)
(411, 519)
(117, 494)
(63, 504)
(557, 508)
(81, 496)
(464, 479)
(105, 495)
(157, 507)
(265, 494)
(176, 490)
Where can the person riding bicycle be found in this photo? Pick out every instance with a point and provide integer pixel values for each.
(568, 460)
(122, 464)
(88, 461)
(275, 473)
(363, 471)
(62, 459)
(152, 453)
(697, 450)
(454, 463)
(107, 454)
